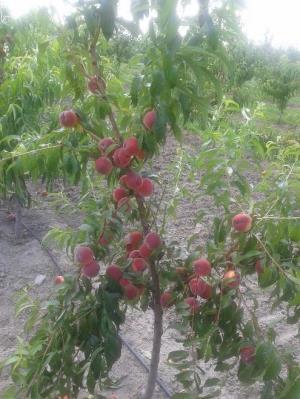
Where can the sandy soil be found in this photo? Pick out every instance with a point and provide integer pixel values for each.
(22, 260)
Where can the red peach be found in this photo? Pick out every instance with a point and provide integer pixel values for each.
(105, 237)
(207, 292)
(11, 217)
(134, 254)
(193, 304)
(84, 255)
(114, 272)
(258, 267)
(231, 279)
(121, 158)
(103, 165)
(247, 354)
(152, 239)
(93, 84)
(202, 267)
(119, 193)
(197, 286)
(131, 146)
(146, 188)
(140, 155)
(104, 144)
(131, 291)
(149, 119)
(69, 118)
(123, 180)
(133, 238)
(59, 280)
(133, 180)
(145, 251)
(91, 269)
(242, 222)
(141, 289)
(166, 299)
(138, 264)
(124, 282)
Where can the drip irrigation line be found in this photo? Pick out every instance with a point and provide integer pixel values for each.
(138, 357)
(141, 360)
(44, 248)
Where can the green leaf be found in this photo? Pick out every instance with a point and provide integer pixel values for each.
(291, 390)
(177, 356)
(108, 17)
(210, 382)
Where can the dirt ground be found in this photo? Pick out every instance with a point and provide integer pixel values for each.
(22, 260)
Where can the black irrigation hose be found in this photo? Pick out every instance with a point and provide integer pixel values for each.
(138, 357)
(141, 360)
(47, 250)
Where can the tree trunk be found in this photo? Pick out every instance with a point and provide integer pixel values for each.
(157, 334)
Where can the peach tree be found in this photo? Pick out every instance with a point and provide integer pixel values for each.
(122, 254)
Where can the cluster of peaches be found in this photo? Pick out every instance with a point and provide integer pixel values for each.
(138, 251)
(138, 248)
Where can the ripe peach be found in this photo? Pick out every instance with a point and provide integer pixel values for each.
(207, 292)
(104, 238)
(145, 251)
(146, 188)
(140, 155)
(11, 217)
(114, 272)
(121, 158)
(202, 267)
(197, 286)
(124, 282)
(134, 254)
(258, 267)
(103, 165)
(149, 119)
(141, 289)
(131, 291)
(134, 180)
(69, 118)
(119, 193)
(242, 222)
(131, 146)
(247, 354)
(138, 264)
(134, 238)
(91, 269)
(193, 304)
(84, 255)
(166, 299)
(231, 279)
(59, 280)
(152, 240)
(93, 84)
(104, 144)
(123, 180)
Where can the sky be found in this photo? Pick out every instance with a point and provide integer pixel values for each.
(279, 20)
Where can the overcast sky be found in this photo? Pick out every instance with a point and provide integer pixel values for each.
(280, 20)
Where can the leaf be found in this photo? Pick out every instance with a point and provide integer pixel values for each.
(108, 12)
(291, 390)
(210, 382)
(177, 356)
(184, 396)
